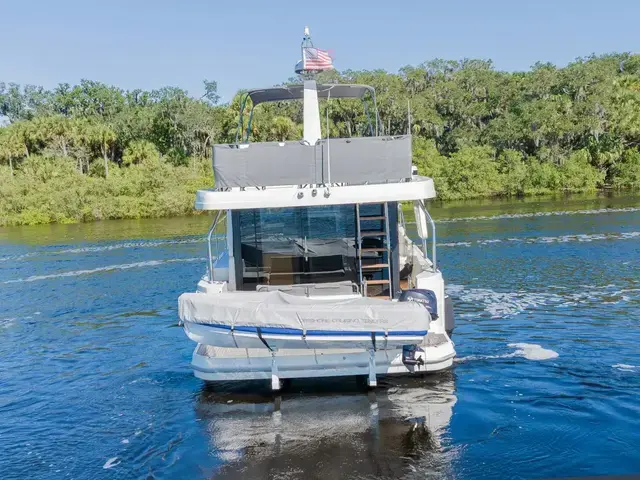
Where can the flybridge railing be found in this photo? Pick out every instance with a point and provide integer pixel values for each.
(329, 92)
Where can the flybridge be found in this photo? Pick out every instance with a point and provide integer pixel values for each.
(313, 160)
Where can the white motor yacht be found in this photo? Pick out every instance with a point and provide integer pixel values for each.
(311, 271)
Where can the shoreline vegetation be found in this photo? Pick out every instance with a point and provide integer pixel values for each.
(93, 151)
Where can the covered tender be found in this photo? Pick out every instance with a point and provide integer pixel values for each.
(294, 314)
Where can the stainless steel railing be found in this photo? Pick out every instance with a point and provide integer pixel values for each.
(220, 214)
(434, 258)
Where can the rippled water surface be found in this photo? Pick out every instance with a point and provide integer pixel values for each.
(95, 379)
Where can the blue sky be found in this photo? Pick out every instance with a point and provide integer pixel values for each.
(136, 44)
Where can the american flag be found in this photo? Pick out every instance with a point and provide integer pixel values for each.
(316, 59)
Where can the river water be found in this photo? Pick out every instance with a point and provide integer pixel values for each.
(95, 379)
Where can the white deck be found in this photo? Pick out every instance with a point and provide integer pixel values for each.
(420, 188)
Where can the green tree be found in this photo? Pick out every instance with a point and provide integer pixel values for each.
(102, 136)
(140, 151)
(627, 172)
(10, 147)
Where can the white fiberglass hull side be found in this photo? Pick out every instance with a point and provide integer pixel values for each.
(224, 337)
(217, 364)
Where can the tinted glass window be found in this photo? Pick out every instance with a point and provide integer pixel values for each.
(298, 245)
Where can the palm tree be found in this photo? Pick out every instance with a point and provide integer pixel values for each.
(138, 151)
(10, 145)
(103, 136)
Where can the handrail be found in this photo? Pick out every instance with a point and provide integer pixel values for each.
(239, 131)
(211, 230)
(401, 216)
(434, 259)
(375, 107)
(249, 123)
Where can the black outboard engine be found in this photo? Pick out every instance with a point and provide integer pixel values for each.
(428, 299)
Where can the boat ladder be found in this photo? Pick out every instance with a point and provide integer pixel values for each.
(380, 261)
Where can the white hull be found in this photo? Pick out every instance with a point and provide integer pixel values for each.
(224, 364)
(221, 337)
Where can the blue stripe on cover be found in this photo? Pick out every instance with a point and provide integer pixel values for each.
(246, 329)
(336, 333)
(317, 333)
(420, 333)
(281, 331)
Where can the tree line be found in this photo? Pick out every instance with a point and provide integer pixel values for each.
(89, 151)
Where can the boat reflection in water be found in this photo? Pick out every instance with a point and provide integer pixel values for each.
(334, 430)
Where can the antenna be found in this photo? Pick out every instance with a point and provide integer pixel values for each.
(408, 117)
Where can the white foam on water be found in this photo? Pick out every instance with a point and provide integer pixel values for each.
(529, 351)
(580, 238)
(583, 237)
(624, 367)
(105, 248)
(506, 304)
(108, 268)
(502, 304)
(533, 351)
(470, 358)
(541, 214)
(7, 322)
(17, 257)
(112, 462)
(489, 241)
(455, 244)
(127, 245)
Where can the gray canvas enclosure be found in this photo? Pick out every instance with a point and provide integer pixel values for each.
(337, 160)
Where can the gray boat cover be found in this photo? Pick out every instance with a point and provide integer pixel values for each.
(276, 309)
(353, 160)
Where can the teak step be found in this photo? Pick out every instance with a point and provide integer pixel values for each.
(376, 282)
(376, 265)
(382, 297)
(372, 217)
(373, 234)
(373, 249)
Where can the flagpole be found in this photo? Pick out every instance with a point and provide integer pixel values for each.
(304, 39)
(306, 43)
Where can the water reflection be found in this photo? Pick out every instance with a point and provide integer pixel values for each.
(332, 430)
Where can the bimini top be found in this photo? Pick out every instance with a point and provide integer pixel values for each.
(296, 92)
